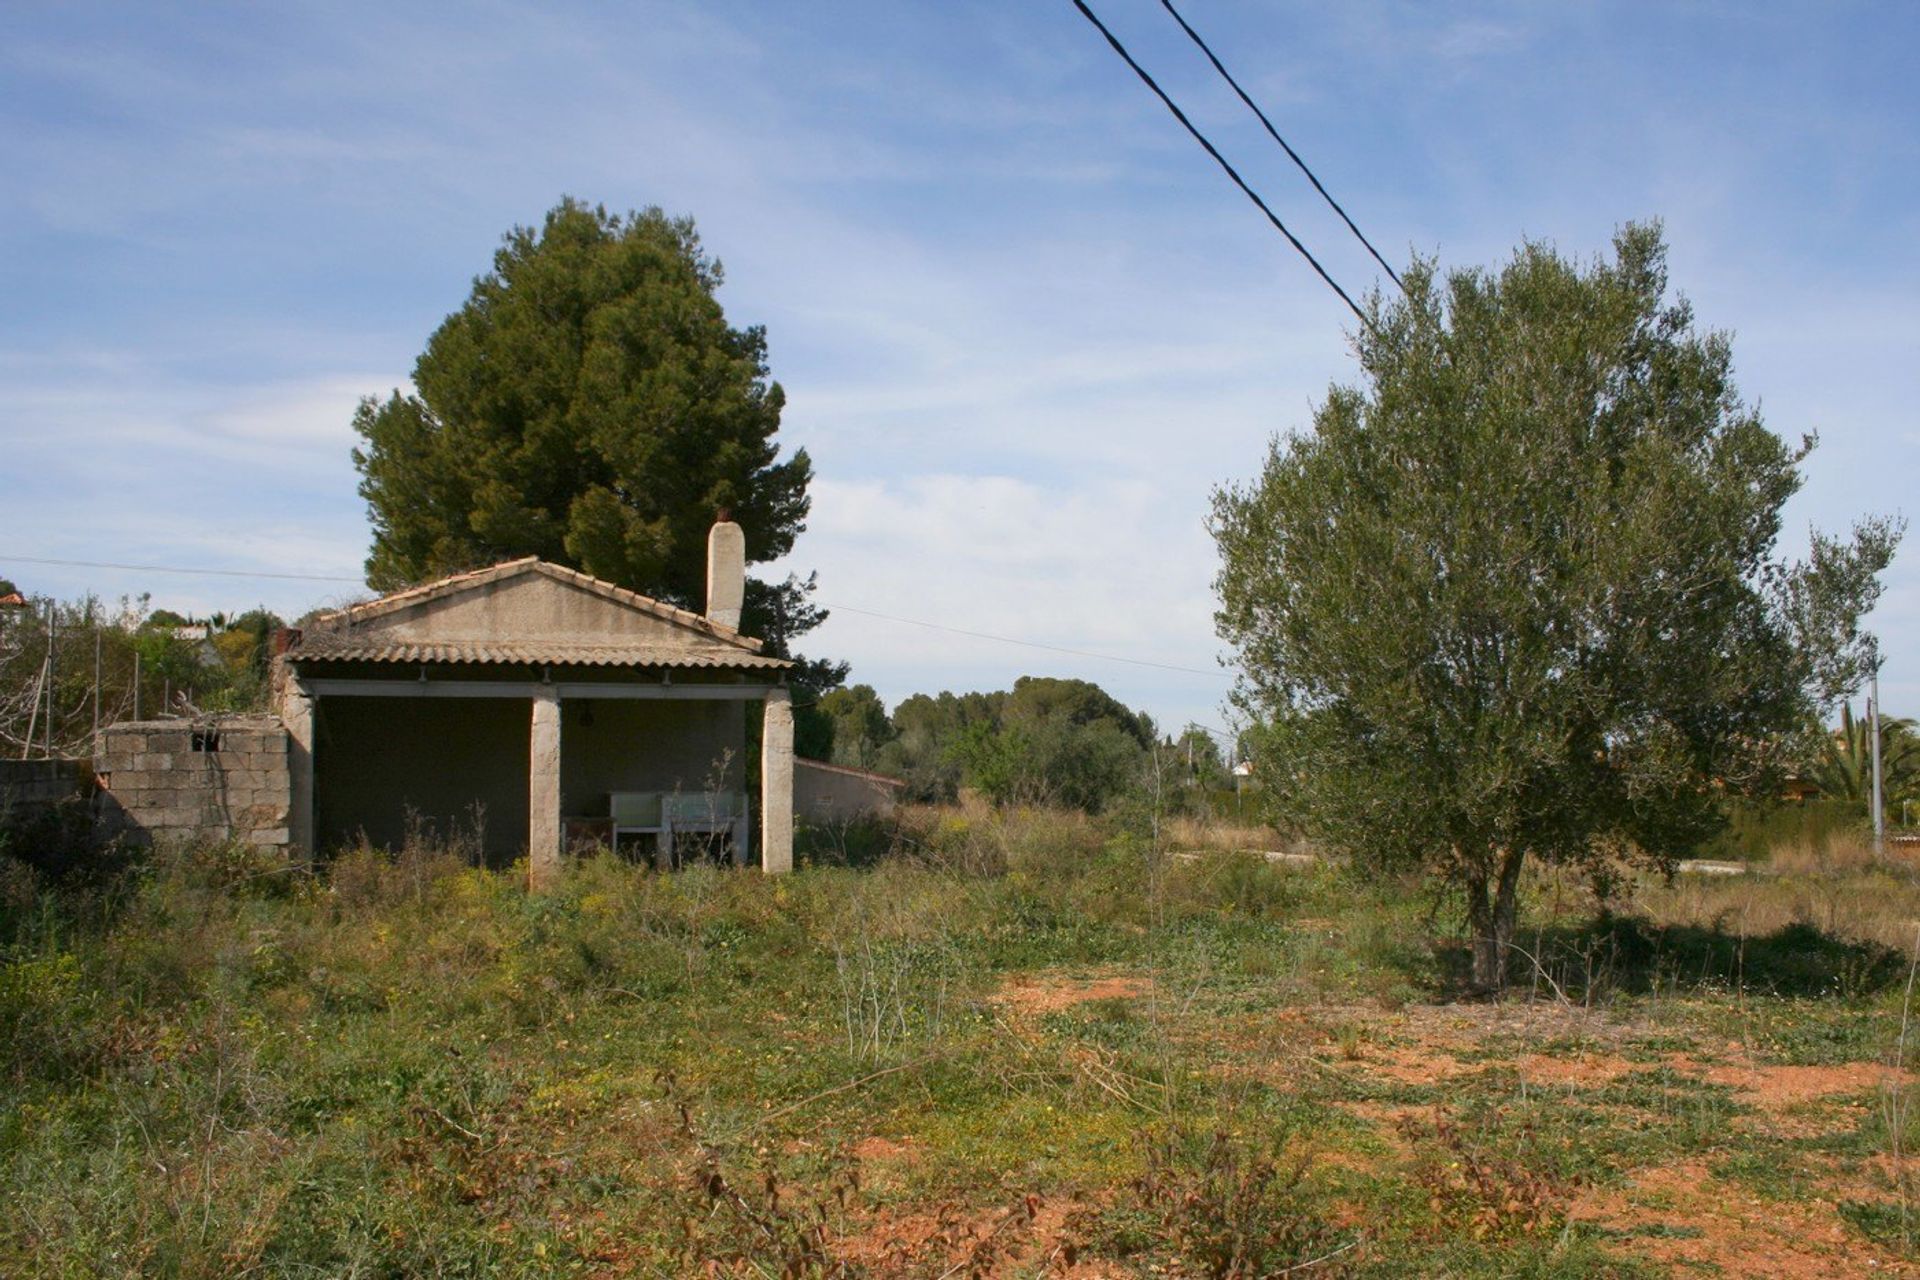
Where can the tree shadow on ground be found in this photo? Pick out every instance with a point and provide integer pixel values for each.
(1630, 955)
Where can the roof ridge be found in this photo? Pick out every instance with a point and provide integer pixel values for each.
(698, 621)
(850, 770)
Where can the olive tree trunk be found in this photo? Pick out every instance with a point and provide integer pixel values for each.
(1493, 906)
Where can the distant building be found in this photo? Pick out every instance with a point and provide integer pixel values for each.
(829, 793)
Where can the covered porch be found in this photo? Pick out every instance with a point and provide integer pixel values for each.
(532, 695)
(541, 761)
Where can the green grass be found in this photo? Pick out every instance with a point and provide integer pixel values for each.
(214, 1066)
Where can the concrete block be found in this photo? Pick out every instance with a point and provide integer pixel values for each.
(271, 836)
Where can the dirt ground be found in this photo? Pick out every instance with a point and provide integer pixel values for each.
(1677, 1213)
(1680, 1214)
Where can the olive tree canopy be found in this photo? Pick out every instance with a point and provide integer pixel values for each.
(1517, 595)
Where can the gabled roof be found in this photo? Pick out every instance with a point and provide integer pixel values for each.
(353, 615)
(399, 627)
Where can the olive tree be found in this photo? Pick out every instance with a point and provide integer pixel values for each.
(1517, 594)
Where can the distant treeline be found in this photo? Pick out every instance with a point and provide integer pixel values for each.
(1045, 741)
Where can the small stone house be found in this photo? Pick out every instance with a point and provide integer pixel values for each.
(525, 704)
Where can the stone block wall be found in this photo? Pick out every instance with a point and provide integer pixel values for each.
(41, 784)
(222, 777)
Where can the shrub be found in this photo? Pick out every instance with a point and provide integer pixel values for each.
(1481, 1193)
(1229, 1211)
(1755, 829)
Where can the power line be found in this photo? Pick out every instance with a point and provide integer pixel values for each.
(1213, 151)
(163, 568)
(847, 608)
(1275, 135)
(1030, 644)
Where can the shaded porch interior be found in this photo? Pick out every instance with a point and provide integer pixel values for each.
(459, 766)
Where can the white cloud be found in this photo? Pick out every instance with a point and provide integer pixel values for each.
(1101, 566)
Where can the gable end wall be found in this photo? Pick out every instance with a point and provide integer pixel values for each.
(533, 607)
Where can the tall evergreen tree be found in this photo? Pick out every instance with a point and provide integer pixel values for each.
(591, 405)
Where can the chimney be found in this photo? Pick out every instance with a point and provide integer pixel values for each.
(726, 571)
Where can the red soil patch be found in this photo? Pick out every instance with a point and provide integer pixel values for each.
(1037, 995)
(1772, 1088)
(1587, 1071)
(1418, 1065)
(877, 1150)
(1032, 1238)
(1721, 1231)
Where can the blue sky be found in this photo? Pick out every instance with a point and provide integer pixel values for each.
(1024, 325)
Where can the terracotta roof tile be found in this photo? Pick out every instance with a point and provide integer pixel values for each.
(348, 647)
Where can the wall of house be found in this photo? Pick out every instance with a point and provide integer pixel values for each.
(223, 777)
(611, 745)
(827, 793)
(451, 765)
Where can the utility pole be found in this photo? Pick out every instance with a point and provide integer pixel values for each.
(48, 732)
(1873, 737)
(40, 690)
(96, 676)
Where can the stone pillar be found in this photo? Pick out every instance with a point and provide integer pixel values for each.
(296, 712)
(543, 791)
(776, 785)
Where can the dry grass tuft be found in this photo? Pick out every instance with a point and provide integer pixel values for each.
(1224, 834)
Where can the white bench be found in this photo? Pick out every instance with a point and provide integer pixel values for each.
(661, 814)
(710, 813)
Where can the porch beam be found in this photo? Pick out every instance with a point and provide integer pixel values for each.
(672, 692)
(534, 688)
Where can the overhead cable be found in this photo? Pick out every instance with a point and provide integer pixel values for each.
(1030, 644)
(1275, 135)
(1221, 160)
(163, 568)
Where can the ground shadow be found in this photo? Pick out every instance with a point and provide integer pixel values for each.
(1630, 954)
